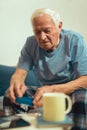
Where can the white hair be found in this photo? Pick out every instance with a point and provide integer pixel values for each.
(53, 14)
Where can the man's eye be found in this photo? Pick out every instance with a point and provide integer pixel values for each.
(47, 31)
(38, 32)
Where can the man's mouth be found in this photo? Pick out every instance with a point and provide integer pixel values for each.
(45, 42)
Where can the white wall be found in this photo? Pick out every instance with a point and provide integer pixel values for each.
(15, 23)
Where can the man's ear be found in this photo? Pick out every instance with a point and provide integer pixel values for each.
(60, 25)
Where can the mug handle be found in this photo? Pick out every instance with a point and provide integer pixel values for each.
(69, 104)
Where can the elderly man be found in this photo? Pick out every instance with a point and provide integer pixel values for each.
(60, 60)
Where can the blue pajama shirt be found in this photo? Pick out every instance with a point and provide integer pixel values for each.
(66, 63)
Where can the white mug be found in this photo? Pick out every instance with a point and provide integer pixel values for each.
(54, 106)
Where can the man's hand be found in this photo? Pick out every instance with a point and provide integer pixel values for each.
(67, 88)
(38, 98)
(17, 86)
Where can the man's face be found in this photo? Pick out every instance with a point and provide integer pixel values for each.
(46, 32)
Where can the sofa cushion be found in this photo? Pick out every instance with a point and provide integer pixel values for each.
(6, 73)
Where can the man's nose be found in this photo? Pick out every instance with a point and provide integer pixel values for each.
(43, 35)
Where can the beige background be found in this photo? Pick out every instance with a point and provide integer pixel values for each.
(15, 23)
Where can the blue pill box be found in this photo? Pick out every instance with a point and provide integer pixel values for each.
(25, 100)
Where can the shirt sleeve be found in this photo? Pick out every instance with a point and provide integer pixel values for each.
(25, 59)
(79, 55)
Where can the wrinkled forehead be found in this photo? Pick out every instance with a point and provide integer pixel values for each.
(44, 19)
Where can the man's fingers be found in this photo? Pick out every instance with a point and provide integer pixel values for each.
(38, 104)
(16, 91)
(20, 90)
(38, 94)
(11, 93)
(23, 89)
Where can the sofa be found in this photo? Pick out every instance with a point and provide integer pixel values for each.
(6, 73)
